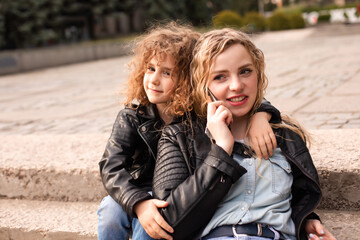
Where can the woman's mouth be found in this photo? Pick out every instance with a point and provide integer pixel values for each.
(238, 100)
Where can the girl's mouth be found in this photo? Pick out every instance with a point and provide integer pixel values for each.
(154, 90)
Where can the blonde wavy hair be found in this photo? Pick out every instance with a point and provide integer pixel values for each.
(212, 44)
(172, 39)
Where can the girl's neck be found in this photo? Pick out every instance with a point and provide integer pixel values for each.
(167, 118)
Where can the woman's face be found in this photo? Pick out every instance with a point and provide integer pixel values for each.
(233, 80)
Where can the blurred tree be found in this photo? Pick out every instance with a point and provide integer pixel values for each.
(199, 12)
(32, 23)
(28, 22)
(244, 6)
(2, 29)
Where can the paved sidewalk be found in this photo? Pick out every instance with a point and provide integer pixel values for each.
(314, 75)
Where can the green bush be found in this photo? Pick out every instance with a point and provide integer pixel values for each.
(253, 21)
(296, 20)
(227, 18)
(324, 18)
(278, 21)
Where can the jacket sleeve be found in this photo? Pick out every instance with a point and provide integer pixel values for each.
(192, 197)
(117, 159)
(267, 107)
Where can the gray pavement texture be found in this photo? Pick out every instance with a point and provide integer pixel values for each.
(314, 75)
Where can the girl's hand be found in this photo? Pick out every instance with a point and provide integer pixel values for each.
(218, 119)
(316, 231)
(261, 136)
(151, 220)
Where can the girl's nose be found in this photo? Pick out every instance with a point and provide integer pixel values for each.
(155, 78)
(235, 84)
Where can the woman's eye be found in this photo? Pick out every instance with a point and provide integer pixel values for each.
(246, 71)
(219, 77)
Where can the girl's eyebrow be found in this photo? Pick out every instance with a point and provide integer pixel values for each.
(167, 69)
(163, 67)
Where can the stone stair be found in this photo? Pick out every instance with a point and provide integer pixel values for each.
(50, 186)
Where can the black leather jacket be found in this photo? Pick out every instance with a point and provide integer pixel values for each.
(127, 165)
(193, 175)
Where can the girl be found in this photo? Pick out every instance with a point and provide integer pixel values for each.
(215, 188)
(160, 82)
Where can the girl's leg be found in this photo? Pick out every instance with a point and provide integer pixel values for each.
(113, 221)
(138, 231)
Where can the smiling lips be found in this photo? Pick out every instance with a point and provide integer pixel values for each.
(154, 90)
(237, 100)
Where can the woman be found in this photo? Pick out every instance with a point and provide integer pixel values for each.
(214, 186)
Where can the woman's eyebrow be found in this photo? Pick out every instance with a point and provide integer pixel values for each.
(241, 67)
(246, 65)
(218, 71)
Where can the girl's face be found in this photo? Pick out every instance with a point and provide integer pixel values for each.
(159, 80)
(233, 80)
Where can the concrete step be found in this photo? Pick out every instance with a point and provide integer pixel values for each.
(65, 167)
(38, 220)
(51, 167)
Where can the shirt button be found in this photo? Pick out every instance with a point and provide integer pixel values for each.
(249, 192)
(250, 162)
(243, 208)
(143, 128)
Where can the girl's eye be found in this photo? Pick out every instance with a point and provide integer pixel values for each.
(150, 69)
(167, 73)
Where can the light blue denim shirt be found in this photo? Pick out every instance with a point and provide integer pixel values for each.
(262, 195)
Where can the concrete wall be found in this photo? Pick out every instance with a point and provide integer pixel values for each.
(26, 60)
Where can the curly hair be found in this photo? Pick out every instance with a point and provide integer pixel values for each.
(212, 44)
(171, 39)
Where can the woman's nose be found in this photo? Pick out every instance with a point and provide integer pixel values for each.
(235, 84)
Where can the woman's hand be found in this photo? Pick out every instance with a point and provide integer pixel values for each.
(261, 136)
(151, 220)
(218, 120)
(316, 231)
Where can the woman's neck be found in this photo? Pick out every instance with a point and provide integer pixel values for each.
(167, 118)
(239, 127)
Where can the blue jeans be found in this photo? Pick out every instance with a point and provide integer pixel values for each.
(115, 224)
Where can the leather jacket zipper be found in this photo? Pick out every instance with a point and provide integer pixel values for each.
(147, 144)
(312, 179)
(220, 179)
